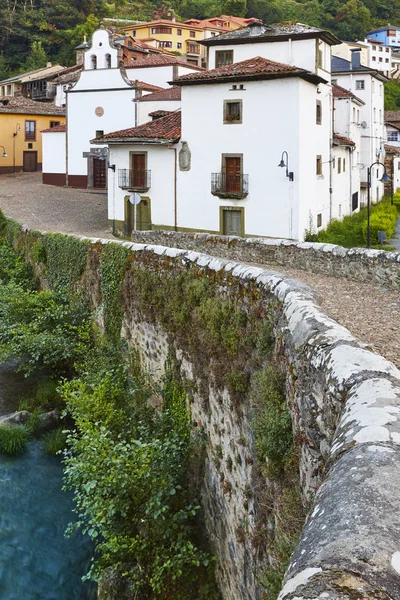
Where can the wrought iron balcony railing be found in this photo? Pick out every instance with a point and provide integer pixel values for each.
(229, 186)
(134, 180)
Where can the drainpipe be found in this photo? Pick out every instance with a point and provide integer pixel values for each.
(331, 102)
(66, 138)
(170, 147)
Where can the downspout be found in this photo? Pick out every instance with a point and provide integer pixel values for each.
(170, 147)
(351, 178)
(330, 156)
(66, 138)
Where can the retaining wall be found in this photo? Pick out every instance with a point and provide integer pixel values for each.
(345, 404)
(360, 264)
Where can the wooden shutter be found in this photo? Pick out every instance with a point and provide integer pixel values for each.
(233, 175)
(139, 170)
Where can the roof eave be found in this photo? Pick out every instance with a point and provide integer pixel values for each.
(310, 77)
(365, 71)
(326, 36)
(135, 141)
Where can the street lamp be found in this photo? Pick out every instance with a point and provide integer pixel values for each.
(284, 163)
(17, 128)
(385, 179)
(4, 155)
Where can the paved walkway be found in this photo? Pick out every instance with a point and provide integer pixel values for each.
(52, 208)
(370, 312)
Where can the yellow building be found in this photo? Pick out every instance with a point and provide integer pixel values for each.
(21, 123)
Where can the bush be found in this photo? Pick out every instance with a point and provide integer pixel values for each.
(13, 439)
(55, 441)
(45, 398)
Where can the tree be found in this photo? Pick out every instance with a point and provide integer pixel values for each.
(37, 58)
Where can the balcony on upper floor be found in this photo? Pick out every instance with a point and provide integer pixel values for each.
(135, 181)
(226, 185)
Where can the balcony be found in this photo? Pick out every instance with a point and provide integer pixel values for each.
(43, 92)
(229, 186)
(193, 49)
(136, 181)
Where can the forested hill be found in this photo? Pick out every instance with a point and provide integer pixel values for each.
(34, 31)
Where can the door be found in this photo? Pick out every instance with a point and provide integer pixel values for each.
(29, 161)
(233, 175)
(99, 173)
(139, 171)
(232, 222)
(143, 215)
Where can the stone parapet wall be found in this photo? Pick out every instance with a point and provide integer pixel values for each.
(344, 402)
(375, 266)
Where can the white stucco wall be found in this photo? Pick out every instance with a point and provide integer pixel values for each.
(144, 108)
(299, 53)
(53, 152)
(160, 161)
(396, 172)
(155, 75)
(278, 115)
(100, 47)
(341, 182)
(372, 126)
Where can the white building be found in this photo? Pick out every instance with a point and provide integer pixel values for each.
(228, 180)
(367, 85)
(163, 100)
(373, 54)
(159, 69)
(346, 152)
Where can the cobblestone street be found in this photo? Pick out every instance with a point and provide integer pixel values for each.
(50, 208)
(370, 312)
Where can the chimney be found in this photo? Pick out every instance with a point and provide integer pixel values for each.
(355, 58)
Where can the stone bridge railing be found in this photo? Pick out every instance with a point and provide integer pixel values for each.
(345, 402)
(360, 264)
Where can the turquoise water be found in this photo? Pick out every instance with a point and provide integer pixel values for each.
(36, 561)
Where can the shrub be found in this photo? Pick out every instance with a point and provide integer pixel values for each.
(46, 397)
(55, 441)
(13, 439)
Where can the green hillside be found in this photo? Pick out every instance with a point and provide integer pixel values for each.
(56, 26)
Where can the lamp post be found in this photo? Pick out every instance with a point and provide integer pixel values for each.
(17, 128)
(284, 163)
(385, 179)
(4, 155)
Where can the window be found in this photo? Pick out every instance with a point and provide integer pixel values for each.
(213, 34)
(179, 45)
(393, 136)
(386, 60)
(192, 34)
(193, 49)
(380, 49)
(358, 115)
(223, 57)
(319, 220)
(108, 61)
(319, 59)
(344, 165)
(30, 130)
(165, 44)
(373, 47)
(318, 116)
(133, 34)
(386, 49)
(138, 172)
(354, 114)
(129, 44)
(9, 90)
(232, 111)
(232, 221)
(339, 165)
(380, 59)
(179, 31)
(94, 61)
(319, 165)
(374, 58)
(360, 84)
(334, 81)
(391, 32)
(54, 124)
(354, 201)
(99, 133)
(161, 30)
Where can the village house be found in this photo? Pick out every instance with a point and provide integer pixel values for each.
(228, 176)
(37, 85)
(102, 95)
(367, 84)
(21, 122)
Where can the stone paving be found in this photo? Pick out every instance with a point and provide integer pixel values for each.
(370, 312)
(51, 208)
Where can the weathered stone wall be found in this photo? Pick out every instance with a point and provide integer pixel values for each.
(360, 264)
(345, 405)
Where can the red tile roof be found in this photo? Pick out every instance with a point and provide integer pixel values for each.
(251, 67)
(147, 87)
(156, 114)
(160, 60)
(21, 105)
(339, 140)
(392, 149)
(166, 128)
(56, 129)
(340, 93)
(172, 93)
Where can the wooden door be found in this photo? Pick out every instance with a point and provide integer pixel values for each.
(99, 173)
(143, 215)
(139, 171)
(232, 222)
(233, 175)
(30, 161)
